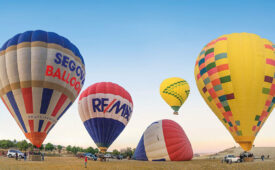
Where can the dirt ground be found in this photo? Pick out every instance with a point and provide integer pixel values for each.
(72, 163)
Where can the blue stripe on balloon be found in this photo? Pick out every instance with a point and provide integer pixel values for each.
(43, 36)
(64, 110)
(140, 153)
(16, 110)
(103, 130)
(46, 98)
(40, 125)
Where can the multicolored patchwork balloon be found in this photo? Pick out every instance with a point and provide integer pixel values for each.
(174, 92)
(164, 140)
(235, 76)
(41, 74)
(105, 109)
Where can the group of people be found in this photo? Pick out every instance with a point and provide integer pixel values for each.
(30, 153)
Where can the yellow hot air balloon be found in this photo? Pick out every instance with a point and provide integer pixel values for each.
(174, 91)
(235, 76)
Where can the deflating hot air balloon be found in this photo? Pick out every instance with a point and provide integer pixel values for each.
(235, 76)
(105, 109)
(174, 91)
(41, 74)
(164, 140)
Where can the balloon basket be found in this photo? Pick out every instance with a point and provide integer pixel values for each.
(248, 159)
(35, 158)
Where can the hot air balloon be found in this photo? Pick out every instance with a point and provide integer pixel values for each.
(174, 91)
(41, 74)
(164, 140)
(235, 76)
(105, 109)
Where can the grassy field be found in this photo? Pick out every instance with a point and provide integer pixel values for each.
(71, 163)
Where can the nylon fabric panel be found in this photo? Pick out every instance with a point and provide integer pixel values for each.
(178, 146)
(140, 153)
(154, 142)
(100, 137)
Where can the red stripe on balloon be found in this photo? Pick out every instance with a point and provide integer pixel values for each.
(59, 104)
(31, 125)
(47, 126)
(268, 46)
(106, 88)
(177, 144)
(27, 96)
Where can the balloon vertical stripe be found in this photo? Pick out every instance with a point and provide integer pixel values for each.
(46, 98)
(40, 125)
(16, 110)
(59, 104)
(31, 125)
(27, 96)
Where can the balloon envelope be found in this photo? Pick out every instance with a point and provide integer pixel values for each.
(164, 140)
(174, 92)
(105, 109)
(235, 76)
(41, 74)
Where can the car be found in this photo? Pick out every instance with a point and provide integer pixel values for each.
(120, 157)
(231, 159)
(90, 156)
(108, 155)
(12, 153)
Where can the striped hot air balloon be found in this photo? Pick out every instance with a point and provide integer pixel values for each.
(41, 74)
(164, 140)
(105, 109)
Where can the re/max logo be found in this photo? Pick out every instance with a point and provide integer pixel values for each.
(103, 105)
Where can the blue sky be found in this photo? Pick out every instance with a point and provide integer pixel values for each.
(137, 44)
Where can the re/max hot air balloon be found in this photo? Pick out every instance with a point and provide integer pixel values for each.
(174, 91)
(164, 140)
(235, 76)
(41, 74)
(105, 109)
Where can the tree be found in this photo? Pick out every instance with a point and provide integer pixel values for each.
(22, 145)
(5, 144)
(90, 150)
(49, 147)
(59, 147)
(69, 148)
(116, 152)
(75, 150)
(96, 150)
(127, 152)
(41, 147)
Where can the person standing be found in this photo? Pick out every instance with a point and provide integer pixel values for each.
(25, 156)
(86, 159)
(262, 157)
(16, 156)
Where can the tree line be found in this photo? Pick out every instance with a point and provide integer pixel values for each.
(24, 146)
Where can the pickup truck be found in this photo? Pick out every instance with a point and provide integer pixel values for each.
(231, 159)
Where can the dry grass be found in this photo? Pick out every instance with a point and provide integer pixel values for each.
(71, 163)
